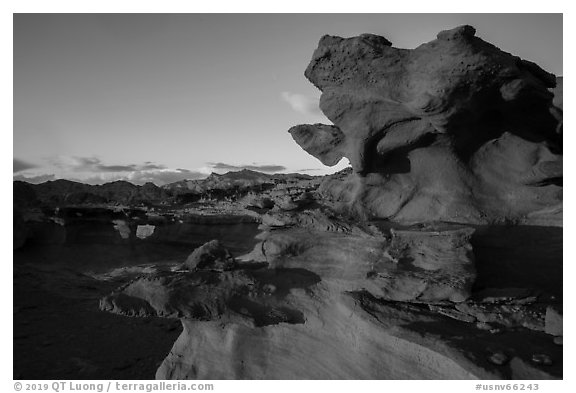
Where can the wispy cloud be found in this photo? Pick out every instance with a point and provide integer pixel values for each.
(93, 164)
(220, 166)
(149, 165)
(302, 104)
(158, 177)
(20, 165)
(93, 170)
(35, 179)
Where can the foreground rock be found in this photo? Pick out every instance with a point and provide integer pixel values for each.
(344, 301)
(289, 323)
(454, 130)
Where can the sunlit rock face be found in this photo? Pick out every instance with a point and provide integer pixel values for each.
(455, 130)
(144, 231)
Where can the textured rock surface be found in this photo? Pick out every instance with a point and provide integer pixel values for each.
(290, 324)
(256, 298)
(344, 337)
(306, 303)
(454, 130)
(211, 255)
(430, 266)
(422, 265)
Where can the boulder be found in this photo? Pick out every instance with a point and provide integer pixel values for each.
(144, 231)
(123, 228)
(211, 255)
(259, 202)
(453, 130)
(554, 320)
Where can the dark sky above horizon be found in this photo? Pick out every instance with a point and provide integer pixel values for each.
(163, 97)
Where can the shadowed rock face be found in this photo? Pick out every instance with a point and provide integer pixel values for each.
(454, 130)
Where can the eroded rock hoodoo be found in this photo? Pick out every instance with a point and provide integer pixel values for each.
(453, 130)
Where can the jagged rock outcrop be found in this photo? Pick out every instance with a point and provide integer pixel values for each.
(211, 255)
(453, 130)
(253, 189)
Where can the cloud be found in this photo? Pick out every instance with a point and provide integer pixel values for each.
(149, 165)
(34, 179)
(158, 177)
(93, 164)
(302, 104)
(19, 165)
(259, 168)
(127, 168)
(115, 168)
(92, 170)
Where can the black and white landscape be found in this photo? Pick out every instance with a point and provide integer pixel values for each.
(431, 250)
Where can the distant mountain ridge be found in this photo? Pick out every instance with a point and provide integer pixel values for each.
(71, 192)
(240, 179)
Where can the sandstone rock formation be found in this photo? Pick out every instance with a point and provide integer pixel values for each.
(456, 131)
(211, 255)
(343, 301)
(453, 130)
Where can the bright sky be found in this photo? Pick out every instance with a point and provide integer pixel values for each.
(160, 97)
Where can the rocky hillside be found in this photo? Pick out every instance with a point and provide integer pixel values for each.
(235, 185)
(230, 186)
(66, 192)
